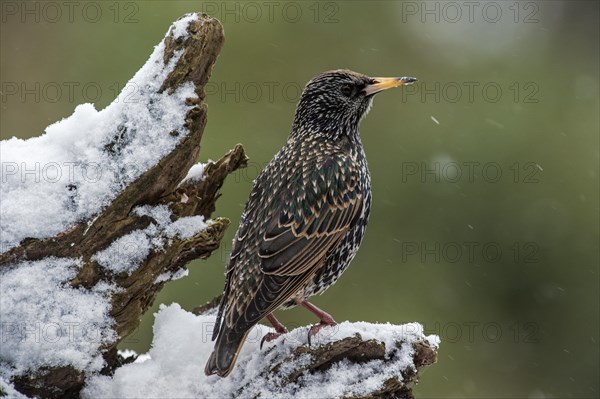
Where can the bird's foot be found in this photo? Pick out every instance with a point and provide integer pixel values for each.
(272, 336)
(279, 330)
(325, 318)
(314, 330)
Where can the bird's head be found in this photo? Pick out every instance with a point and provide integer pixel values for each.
(334, 102)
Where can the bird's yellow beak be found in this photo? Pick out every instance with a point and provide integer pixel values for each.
(380, 84)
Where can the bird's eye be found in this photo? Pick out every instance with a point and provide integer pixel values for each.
(347, 90)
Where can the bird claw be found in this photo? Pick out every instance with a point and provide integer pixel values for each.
(268, 337)
(314, 330)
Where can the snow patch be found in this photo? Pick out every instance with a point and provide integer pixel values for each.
(179, 28)
(46, 322)
(186, 227)
(10, 391)
(168, 276)
(127, 253)
(174, 367)
(81, 163)
(196, 172)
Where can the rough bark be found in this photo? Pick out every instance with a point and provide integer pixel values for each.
(357, 350)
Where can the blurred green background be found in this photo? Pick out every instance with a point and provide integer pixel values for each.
(508, 97)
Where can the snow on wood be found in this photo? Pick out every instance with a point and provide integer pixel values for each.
(81, 163)
(348, 360)
(96, 218)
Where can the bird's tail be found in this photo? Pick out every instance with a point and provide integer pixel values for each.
(226, 351)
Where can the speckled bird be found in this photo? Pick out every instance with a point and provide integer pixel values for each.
(306, 215)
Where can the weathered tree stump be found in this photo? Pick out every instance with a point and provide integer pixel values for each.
(159, 185)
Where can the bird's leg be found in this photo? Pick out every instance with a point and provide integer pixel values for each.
(279, 330)
(325, 319)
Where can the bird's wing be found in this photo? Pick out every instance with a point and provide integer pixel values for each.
(287, 229)
(322, 206)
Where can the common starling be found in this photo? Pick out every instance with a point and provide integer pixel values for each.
(306, 215)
